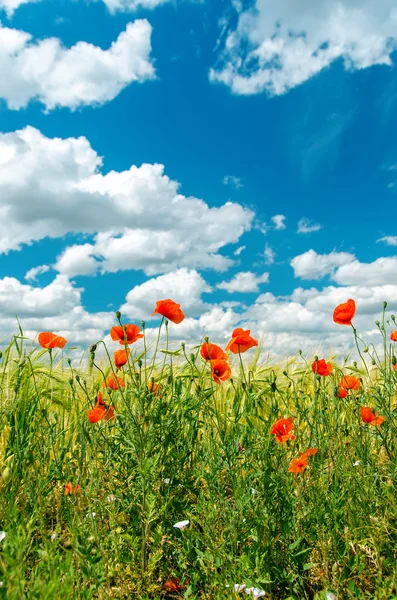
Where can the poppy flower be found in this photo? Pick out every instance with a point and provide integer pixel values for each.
(282, 430)
(173, 584)
(70, 489)
(371, 417)
(311, 452)
(241, 341)
(130, 332)
(100, 411)
(320, 367)
(121, 358)
(212, 352)
(154, 388)
(51, 340)
(170, 310)
(114, 383)
(348, 382)
(298, 465)
(342, 393)
(393, 336)
(220, 370)
(344, 313)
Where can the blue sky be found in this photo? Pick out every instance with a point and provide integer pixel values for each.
(238, 110)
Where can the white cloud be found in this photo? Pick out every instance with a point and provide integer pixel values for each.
(50, 187)
(245, 281)
(233, 181)
(269, 255)
(389, 240)
(183, 286)
(279, 45)
(132, 5)
(239, 250)
(380, 272)
(307, 226)
(279, 221)
(311, 265)
(33, 273)
(85, 74)
(11, 5)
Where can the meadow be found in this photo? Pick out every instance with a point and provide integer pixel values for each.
(202, 473)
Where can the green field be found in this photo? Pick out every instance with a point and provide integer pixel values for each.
(191, 449)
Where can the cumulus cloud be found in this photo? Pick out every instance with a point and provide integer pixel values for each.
(50, 187)
(132, 5)
(183, 286)
(389, 240)
(245, 281)
(33, 273)
(279, 221)
(233, 181)
(46, 71)
(311, 265)
(239, 250)
(380, 272)
(269, 255)
(279, 45)
(305, 225)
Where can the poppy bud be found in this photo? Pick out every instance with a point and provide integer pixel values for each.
(192, 358)
(77, 378)
(393, 318)
(93, 348)
(1, 355)
(243, 385)
(118, 315)
(377, 323)
(140, 363)
(71, 382)
(300, 352)
(274, 386)
(183, 345)
(316, 359)
(384, 305)
(355, 364)
(373, 362)
(143, 324)
(169, 379)
(366, 349)
(394, 360)
(285, 373)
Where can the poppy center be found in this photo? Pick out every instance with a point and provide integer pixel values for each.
(216, 372)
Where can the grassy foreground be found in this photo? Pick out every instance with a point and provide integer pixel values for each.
(194, 450)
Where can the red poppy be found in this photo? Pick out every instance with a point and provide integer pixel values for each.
(320, 367)
(126, 333)
(121, 358)
(100, 411)
(311, 451)
(170, 310)
(298, 465)
(70, 489)
(371, 417)
(348, 382)
(114, 383)
(282, 430)
(154, 388)
(220, 370)
(344, 313)
(343, 393)
(393, 336)
(50, 340)
(212, 352)
(172, 584)
(241, 341)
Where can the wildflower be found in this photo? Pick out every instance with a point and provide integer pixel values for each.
(90, 515)
(298, 465)
(342, 393)
(3, 535)
(282, 430)
(320, 367)
(167, 480)
(170, 310)
(126, 333)
(110, 498)
(393, 336)
(100, 411)
(182, 525)
(114, 383)
(220, 370)
(51, 340)
(241, 341)
(344, 313)
(355, 464)
(311, 452)
(70, 489)
(212, 352)
(371, 417)
(348, 382)
(53, 537)
(154, 388)
(173, 584)
(121, 358)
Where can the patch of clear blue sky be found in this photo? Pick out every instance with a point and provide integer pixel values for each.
(320, 151)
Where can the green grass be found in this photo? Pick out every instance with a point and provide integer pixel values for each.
(332, 528)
